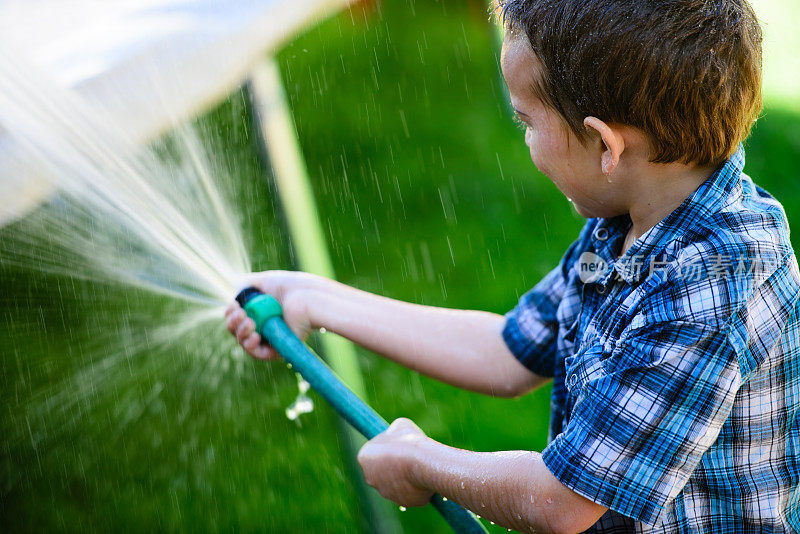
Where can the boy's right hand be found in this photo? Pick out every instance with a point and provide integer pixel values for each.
(291, 289)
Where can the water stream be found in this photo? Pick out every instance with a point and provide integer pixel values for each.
(159, 220)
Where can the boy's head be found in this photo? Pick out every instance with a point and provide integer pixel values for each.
(686, 73)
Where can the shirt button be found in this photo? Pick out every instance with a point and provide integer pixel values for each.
(601, 234)
(573, 380)
(601, 289)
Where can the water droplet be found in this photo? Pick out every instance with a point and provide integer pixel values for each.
(303, 386)
(402, 508)
(301, 405)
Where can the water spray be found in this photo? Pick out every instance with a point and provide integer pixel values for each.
(266, 312)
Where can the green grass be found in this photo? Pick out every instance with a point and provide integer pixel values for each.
(427, 194)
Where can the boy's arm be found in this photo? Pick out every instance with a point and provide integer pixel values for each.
(464, 348)
(512, 488)
(460, 347)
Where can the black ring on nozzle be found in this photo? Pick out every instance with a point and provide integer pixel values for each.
(246, 294)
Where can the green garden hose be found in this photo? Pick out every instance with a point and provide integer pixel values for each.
(268, 316)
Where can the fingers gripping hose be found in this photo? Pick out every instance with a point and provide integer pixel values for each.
(268, 316)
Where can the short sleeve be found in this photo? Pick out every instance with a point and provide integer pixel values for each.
(638, 430)
(531, 327)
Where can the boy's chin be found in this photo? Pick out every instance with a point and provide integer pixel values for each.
(590, 213)
(583, 211)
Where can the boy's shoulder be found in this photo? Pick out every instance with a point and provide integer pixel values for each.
(742, 239)
(748, 221)
(726, 248)
(728, 265)
(728, 214)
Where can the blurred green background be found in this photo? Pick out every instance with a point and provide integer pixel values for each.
(427, 194)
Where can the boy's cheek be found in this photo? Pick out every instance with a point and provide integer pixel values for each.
(541, 162)
(541, 151)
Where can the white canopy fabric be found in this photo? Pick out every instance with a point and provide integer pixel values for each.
(148, 63)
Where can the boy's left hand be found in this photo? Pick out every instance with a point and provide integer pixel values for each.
(388, 462)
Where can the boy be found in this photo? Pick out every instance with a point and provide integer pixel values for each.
(670, 326)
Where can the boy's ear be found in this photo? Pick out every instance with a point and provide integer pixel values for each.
(613, 142)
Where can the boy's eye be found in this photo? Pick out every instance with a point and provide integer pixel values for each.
(520, 123)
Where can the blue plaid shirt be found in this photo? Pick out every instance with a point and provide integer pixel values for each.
(676, 389)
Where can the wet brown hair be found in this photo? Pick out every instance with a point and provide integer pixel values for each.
(685, 72)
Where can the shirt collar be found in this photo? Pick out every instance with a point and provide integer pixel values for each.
(706, 200)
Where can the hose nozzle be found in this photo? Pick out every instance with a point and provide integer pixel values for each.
(259, 306)
(246, 294)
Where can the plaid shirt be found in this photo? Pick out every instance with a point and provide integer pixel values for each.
(676, 389)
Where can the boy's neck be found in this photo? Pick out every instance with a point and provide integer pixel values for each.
(656, 191)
